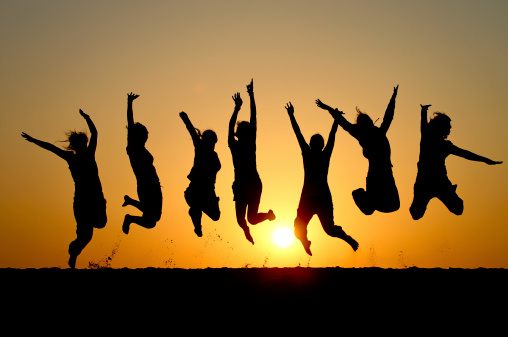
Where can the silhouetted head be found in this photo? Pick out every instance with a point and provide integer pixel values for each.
(243, 130)
(138, 134)
(363, 120)
(77, 141)
(440, 125)
(317, 143)
(209, 138)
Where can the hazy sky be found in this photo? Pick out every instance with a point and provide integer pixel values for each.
(59, 56)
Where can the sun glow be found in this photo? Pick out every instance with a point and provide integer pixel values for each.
(283, 236)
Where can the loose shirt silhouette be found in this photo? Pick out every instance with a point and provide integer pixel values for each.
(381, 192)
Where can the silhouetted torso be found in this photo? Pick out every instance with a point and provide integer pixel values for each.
(205, 168)
(315, 166)
(244, 159)
(433, 152)
(375, 145)
(142, 165)
(85, 174)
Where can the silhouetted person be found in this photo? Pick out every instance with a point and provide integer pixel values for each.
(200, 195)
(247, 186)
(316, 197)
(432, 179)
(89, 203)
(148, 185)
(381, 193)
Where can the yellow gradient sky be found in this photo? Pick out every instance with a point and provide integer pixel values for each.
(59, 56)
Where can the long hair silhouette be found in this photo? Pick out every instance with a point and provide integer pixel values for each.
(380, 193)
(89, 202)
(247, 186)
(200, 194)
(316, 197)
(148, 185)
(432, 178)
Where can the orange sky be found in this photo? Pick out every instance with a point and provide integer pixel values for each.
(58, 57)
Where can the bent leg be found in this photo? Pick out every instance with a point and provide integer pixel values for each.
(132, 202)
(253, 214)
(326, 217)
(301, 222)
(419, 205)
(452, 201)
(84, 235)
(362, 200)
(241, 208)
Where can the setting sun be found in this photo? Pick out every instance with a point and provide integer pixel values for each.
(283, 236)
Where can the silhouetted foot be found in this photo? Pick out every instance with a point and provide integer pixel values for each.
(306, 246)
(126, 225)
(126, 200)
(246, 230)
(352, 242)
(271, 215)
(72, 261)
(359, 198)
(198, 231)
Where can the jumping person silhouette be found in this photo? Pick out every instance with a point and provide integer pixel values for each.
(316, 197)
(89, 203)
(381, 193)
(247, 186)
(200, 195)
(432, 179)
(148, 185)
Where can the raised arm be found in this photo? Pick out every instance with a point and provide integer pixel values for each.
(423, 120)
(331, 138)
(301, 141)
(47, 146)
(253, 112)
(390, 111)
(130, 114)
(234, 116)
(472, 156)
(337, 115)
(190, 128)
(92, 144)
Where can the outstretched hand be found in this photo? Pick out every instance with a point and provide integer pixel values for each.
(238, 100)
(183, 114)
(27, 137)
(131, 97)
(323, 105)
(290, 109)
(425, 107)
(250, 87)
(83, 114)
(492, 162)
(395, 90)
(333, 111)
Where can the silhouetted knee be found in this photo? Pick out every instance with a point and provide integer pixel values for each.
(416, 213)
(457, 208)
(101, 223)
(215, 216)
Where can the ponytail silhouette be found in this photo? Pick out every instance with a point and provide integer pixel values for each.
(380, 193)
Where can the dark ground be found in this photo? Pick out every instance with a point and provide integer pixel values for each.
(460, 297)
